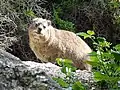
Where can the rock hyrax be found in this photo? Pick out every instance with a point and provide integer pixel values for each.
(49, 43)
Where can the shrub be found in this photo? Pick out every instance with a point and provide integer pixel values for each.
(69, 82)
(105, 61)
(62, 24)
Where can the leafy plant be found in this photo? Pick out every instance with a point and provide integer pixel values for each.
(62, 24)
(105, 61)
(69, 82)
(30, 13)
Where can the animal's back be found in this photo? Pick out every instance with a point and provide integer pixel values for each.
(73, 48)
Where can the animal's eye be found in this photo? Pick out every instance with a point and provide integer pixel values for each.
(37, 24)
(44, 27)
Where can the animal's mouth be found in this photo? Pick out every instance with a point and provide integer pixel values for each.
(37, 28)
(34, 29)
(37, 33)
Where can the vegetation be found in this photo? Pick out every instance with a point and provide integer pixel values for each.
(101, 16)
(62, 24)
(69, 82)
(105, 61)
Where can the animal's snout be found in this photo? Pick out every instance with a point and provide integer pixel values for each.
(39, 30)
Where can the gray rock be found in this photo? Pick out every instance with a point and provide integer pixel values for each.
(16, 75)
(29, 75)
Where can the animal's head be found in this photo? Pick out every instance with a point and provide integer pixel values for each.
(39, 28)
(40, 25)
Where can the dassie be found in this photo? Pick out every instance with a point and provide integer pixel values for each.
(49, 43)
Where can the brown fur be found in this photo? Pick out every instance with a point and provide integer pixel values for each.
(53, 43)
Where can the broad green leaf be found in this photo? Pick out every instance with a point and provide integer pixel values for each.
(101, 39)
(99, 77)
(118, 69)
(59, 61)
(107, 56)
(93, 53)
(66, 70)
(63, 69)
(93, 63)
(105, 44)
(93, 59)
(61, 82)
(116, 55)
(91, 32)
(65, 63)
(117, 47)
(102, 42)
(78, 86)
(85, 35)
(68, 63)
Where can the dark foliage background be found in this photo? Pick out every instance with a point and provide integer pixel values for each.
(102, 16)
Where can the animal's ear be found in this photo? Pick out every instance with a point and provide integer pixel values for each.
(49, 22)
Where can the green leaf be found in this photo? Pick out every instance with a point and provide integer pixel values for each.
(99, 77)
(102, 42)
(94, 61)
(107, 56)
(61, 82)
(66, 70)
(116, 55)
(117, 47)
(29, 13)
(101, 39)
(91, 32)
(59, 61)
(93, 53)
(78, 86)
(65, 62)
(66, 65)
(115, 3)
(118, 69)
(85, 35)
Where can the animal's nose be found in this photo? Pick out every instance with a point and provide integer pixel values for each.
(39, 30)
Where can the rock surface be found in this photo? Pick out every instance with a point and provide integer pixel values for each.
(28, 75)
(15, 75)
